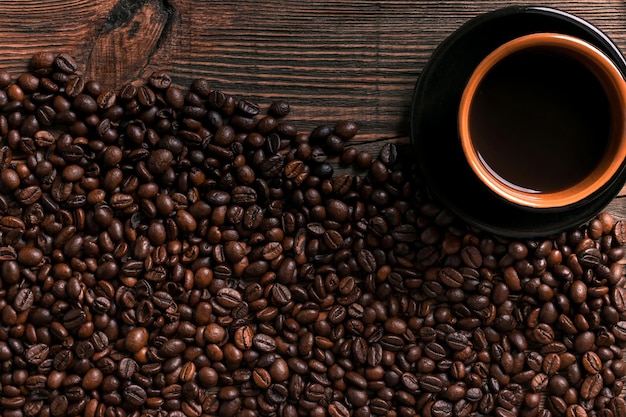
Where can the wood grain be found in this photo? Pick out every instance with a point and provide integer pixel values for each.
(332, 60)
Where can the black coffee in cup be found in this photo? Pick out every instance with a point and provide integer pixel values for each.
(540, 120)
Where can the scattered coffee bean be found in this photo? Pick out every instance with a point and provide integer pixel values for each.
(178, 253)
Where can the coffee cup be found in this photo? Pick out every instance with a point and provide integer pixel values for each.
(542, 121)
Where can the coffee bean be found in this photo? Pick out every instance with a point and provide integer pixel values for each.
(451, 277)
(261, 378)
(441, 408)
(472, 257)
(58, 406)
(429, 383)
(243, 338)
(543, 333)
(264, 342)
(99, 341)
(63, 360)
(29, 195)
(617, 406)
(619, 299)
(539, 382)
(127, 368)
(85, 349)
(619, 330)
(248, 108)
(575, 410)
(435, 351)
(346, 129)
(136, 339)
(159, 161)
(619, 232)
(337, 409)
(37, 354)
(389, 154)
(592, 362)
(171, 250)
(405, 233)
(74, 86)
(551, 364)
(228, 297)
(24, 300)
(160, 80)
(172, 348)
(333, 240)
(66, 63)
(135, 395)
(591, 386)
(92, 379)
(457, 341)
(106, 99)
(578, 291)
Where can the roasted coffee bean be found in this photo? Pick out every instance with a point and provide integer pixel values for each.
(248, 108)
(539, 382)
(279, 108)
(74, 86)
(617, 406)
(591, 386)
(575, 410)
(23, 300)
(388, 154)
(135, 395)
(58, 406)
(434, 351)
(457, 341)
(451, 277)
(338, 409)
(85, 349)
(543, 333)
(181, 252)
(243, 338)
(551, 364)
(66, 63)
(159, 161)
(136, 339)
(429, 383)
(127, 368)
(37, 354)
(261, 378)
(160, 80)
(592, 362)
(264, 343)
(228, 297)
(441, 408)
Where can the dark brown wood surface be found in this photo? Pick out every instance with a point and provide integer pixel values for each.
(332, 60)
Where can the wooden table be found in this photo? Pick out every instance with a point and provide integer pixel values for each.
(331, 60)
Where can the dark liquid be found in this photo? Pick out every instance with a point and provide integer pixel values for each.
(540, 121)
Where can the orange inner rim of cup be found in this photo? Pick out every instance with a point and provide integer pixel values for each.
(615, 88)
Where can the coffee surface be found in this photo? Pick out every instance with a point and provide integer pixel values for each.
(540, 121)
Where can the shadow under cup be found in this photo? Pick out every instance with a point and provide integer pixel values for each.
(541, 121)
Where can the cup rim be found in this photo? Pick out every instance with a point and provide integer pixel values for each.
(615, 88)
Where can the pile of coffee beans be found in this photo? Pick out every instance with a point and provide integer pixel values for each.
(189, 253)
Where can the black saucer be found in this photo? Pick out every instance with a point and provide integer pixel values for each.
(434, 123)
